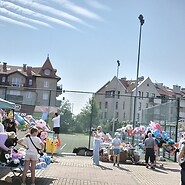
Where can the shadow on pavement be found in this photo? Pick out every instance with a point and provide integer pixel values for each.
(104, 167)
(169, 169)
(124, 169)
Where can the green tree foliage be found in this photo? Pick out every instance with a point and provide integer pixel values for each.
(88, 117)
(67, 120)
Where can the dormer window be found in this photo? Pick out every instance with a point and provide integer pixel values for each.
(47, 72)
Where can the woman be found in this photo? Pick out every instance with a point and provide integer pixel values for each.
(98, 139)
(31, 156)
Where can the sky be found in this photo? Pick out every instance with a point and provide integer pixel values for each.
(85, 38)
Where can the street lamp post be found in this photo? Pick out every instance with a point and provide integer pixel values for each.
(114, 100)
(141, 19)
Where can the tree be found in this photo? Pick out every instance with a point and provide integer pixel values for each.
(67, 120)
(88, 117)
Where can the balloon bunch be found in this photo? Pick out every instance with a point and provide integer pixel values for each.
(162, 138)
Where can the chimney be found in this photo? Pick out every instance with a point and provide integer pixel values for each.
(29, 69)
(24, 67)
(4, 67)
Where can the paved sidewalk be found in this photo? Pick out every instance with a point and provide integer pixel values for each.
(79, 170)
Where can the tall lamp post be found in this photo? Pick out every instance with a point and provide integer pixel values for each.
(141, 19)
(114, 101)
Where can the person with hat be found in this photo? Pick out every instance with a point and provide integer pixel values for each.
(116, 143)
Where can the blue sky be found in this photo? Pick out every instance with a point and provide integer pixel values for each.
(85, 38)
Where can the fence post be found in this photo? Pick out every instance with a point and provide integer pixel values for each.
(177, 125)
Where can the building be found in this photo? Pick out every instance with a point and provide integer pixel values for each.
(30, 87)
(116, 98)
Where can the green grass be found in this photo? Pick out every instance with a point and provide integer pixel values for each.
(69, 142)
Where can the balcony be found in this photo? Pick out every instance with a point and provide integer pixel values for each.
(59, 90)
(15, 98)
(16, 84)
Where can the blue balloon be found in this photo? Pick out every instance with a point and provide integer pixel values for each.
(170, 141)
(156, 133)
(164, 135)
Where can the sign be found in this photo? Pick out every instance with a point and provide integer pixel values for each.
(17, 107)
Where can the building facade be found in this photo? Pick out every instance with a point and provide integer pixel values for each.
(116, 98)
(30, 87)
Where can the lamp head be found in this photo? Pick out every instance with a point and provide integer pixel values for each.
(141, 18)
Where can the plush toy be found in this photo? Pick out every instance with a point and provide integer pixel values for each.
(41, 124)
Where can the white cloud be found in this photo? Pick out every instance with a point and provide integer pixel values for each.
(6, 19)
(20, 17)
(31, 13)
(97, 5)
(77, 9)
(47, 9)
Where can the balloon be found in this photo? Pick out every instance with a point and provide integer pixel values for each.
(142, 129)
(156, 133)
(19, 119)
(158, 126)
(164, 135)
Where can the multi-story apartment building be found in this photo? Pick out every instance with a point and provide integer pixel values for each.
(29, 86)
(116, 98)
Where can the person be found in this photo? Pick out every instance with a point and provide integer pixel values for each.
(31, 155)
(11, 126)
(181, 140)
(2, 128)
(56, 126)
(149, 144)
(181, 161)
(116, 142)
(98, 140)
(7, 141)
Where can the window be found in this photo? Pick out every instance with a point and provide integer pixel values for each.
(3, 79)
(99, 105)
(147, 94)
(14, 92)
(142, 95)
(124, 116)
(116, 105)
(30, 82)
(109, 94)
(47, 72)
(46, 84)
(139, 106)
(28, 95)
(153, 95)
(16, 81)
(106, 105)
(117, 114)
(105, 115)
(45, 96)
(146, 105)
(123, 105)
(148, 85)
(118, 94)
(138, 116)
(139, 94)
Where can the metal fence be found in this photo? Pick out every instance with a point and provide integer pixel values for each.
(167, 115)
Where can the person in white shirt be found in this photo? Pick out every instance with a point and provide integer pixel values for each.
(2, 128)
(98, 139)
(31, 156)
(56, 126)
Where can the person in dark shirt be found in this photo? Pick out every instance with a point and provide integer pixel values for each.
(11, 126)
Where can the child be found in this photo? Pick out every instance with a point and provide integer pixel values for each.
(116, 142)
(31, 156)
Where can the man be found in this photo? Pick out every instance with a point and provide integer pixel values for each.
(149, 150)
(56, 126)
